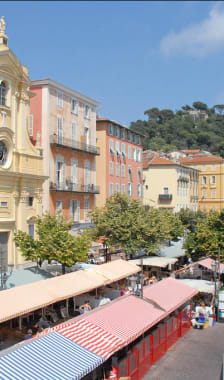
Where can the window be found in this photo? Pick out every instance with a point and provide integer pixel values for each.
(86, 173)
(138, 155)
(87, 111)
(117, 169)
(111, 146)
(74, 210)
(60, 100)
(122, 134)
(165, 190)
(123, 188)
(212, 180)
(4, 204)
(60, 174)
(134, 154)
(73, 133)
(60, 130)
(3, 92)
(139, 190)
(129, 173)
(129, 152)
(110, 129)
(213, 193)
(122, 170)
(31, 126)
(118, 148)
(117, 188)
(87, 134)
(129, 189)
(123, 150)
(86, 210)
(31, 230)
(111, 189)
(213, 168)
(204, 194)
(59, 207)
(139, 175)
(204, 180)
(30, 201)
(130, 136)
(74, 173)
(111, 168)
(117, 132)
(75, 106)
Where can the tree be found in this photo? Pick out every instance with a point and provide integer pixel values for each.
(186, 107)
(208, 237)
(191, 218)
(200, 106)
(153, 113)
(54, 242)
(125, 222)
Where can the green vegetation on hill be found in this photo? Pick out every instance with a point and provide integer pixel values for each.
(167, 130)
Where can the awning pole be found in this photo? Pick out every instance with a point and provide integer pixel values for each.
(67, 306)
(20, 323)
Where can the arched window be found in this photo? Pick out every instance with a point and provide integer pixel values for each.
(3, 92)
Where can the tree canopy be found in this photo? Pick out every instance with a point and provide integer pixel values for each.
(208, 237)
(124, 222)
(167, 130)
(53, 242)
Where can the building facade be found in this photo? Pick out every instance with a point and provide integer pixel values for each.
(119, 166)
(21, 164)
(211, 180)
(169, 184)
(64, 123)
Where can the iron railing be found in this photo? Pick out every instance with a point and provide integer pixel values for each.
(165, 197)
(73, 144)
(74, 187)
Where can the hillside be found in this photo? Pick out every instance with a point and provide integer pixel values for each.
(189, 128)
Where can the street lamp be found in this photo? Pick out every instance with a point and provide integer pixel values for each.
(215, 267)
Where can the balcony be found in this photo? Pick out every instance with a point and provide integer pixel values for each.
(75, 145)
(183, 178)
(165, 197)
(194, 198)
(74, 188)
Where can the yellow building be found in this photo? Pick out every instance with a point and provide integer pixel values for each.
(21, 171)
(211, 180)
(168, 184)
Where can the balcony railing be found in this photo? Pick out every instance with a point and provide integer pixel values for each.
(183, 178)
(73, 144)
(165, 197)
(74, 188)
(194, 198)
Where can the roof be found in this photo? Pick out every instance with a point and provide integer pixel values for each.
(20, 277)
(168, 295)
(60, 86)
(52, 357)
(207, 263)
(161, 161)
(103, 119)
(26, 298)
(190, 150)
(127, 318)
(202, 286)
(155, 261)
(202, 159)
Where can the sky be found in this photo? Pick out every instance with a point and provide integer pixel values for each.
(128, 55)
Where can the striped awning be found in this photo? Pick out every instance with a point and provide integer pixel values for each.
(52, 357)
(127, 317)
(92, 337)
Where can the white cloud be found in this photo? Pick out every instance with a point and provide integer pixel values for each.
(197, 40)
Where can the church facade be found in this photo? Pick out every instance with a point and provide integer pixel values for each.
(21, 164)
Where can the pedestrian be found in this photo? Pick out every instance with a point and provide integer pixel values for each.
(85, 307)
(29, 334)
(42, 324)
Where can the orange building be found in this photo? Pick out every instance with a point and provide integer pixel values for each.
(119, 165)
(63, 122)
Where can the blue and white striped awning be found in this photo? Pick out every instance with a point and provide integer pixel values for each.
(52, 357)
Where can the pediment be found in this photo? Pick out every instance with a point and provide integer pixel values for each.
(12, 65)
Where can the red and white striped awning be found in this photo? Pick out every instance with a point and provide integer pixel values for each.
(92, 337)
(126, 318)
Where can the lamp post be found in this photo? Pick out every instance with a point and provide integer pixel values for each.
(215, 267)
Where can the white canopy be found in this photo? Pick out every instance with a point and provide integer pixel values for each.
(202, 286)
(155, 261)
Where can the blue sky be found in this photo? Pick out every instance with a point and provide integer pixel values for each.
(130, 56)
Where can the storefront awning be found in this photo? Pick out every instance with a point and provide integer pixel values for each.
(202, 286)
(169, 293)
(155, 261)
(207, 263)
(52, 357)
(24, 299)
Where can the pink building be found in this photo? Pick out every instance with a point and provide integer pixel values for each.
(119, 165)
(63, 122)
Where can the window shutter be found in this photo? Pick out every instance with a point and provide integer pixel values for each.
(71, 209)
(63, 172)
(78, 211)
